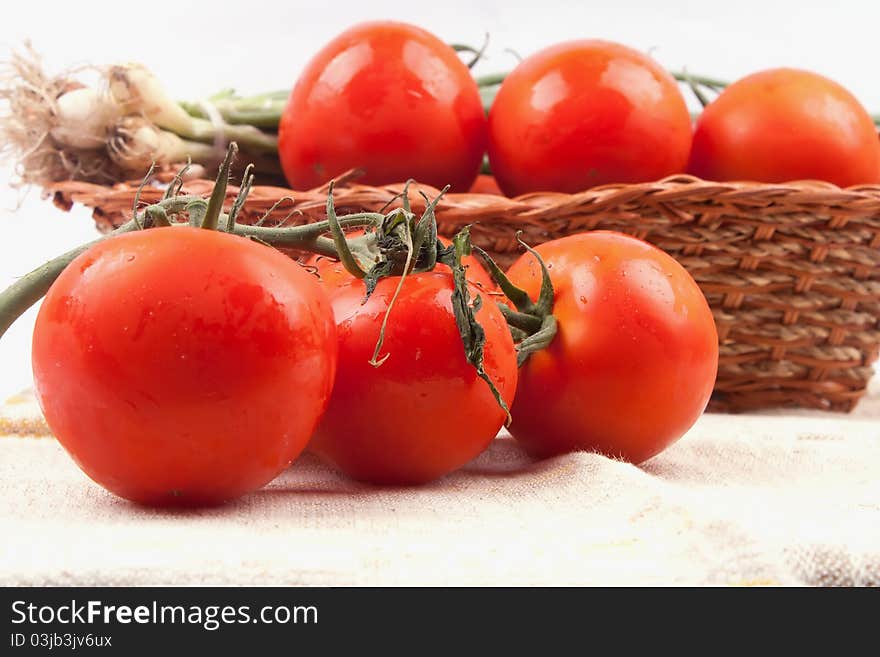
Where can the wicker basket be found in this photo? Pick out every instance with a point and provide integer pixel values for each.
(791, 271)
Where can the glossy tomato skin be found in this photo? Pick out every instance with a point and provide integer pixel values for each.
(389, 98)
(423, 412)
(183, 366)
(634, 362)
(782, 125)
(586, 113)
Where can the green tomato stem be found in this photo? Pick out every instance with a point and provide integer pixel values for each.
(31, 287)
(473, 336)
(532, 324)
(211, 220)
(345, 255)
(712, 83)
(491, 80)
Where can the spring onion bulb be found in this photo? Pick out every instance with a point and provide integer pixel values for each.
(84, 118)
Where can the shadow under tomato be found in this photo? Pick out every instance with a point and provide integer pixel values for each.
(308, 480)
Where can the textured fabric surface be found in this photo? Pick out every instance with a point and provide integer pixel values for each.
(741, 500)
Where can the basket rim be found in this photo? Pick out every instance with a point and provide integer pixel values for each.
(669, 190)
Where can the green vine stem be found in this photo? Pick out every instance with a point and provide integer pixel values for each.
(702, 80)
(346, 257)
(211, 220)
(490, 80)
(398, 244)
(532, 324)
(476, 52)
(473, 335)
(31, 287)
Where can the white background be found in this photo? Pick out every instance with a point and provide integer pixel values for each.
(196, 48)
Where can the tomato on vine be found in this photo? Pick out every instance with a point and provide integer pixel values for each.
(635, 352)
(424, 411)
(179, 365)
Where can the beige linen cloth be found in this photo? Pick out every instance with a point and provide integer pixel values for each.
(741, 500)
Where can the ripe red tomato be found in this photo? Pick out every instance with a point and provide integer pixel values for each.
(634, 360)
(586, 113)
(183, 366)
(389, 98)
(785, 124)
(424, 412)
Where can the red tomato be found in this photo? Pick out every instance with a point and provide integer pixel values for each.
(635, 358)
(183, 366)
(389, 98)
(333, 273)
(586, 113)
(424, 412)
(782, 125)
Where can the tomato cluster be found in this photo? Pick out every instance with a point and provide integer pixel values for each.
(203, 385)
(396, 102)
(188, 366)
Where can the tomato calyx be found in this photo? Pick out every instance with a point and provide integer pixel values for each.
(532, 324)
(473, 336)
(398, 245)
(476, 53)
(402, 244)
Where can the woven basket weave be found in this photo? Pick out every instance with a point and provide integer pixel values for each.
(790, 271)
